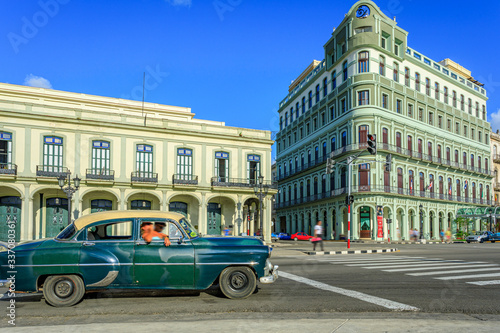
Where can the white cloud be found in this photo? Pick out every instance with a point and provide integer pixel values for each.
(495, 120)
(37, 81)
(186, 3)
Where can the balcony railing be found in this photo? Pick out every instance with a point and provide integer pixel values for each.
(51, 171)
(300, 168)
(185, 179)
(8, 169)
(496, 158)
(100, 174)
(240, 182)
(144, 177)
(384, 189)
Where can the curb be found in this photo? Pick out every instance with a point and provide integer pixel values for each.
(418, 243)
(349, 252)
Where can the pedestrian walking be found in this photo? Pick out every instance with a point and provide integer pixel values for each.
(441, 235)
(318, 234)
(448, 236)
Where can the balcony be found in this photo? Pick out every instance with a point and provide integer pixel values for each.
(367, 189)
(240, 182)
(8, 169)
(184, 179)
(144, 177)
(100, 174)
(51, 171)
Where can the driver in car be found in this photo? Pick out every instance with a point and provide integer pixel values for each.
(149, 234)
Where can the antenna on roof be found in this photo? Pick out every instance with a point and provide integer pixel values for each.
(143, 83)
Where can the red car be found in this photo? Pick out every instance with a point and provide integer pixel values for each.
(301, 236)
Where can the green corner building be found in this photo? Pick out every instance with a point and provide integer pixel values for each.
(429, 116)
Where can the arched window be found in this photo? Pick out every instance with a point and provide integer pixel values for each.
(325, 87)
(417, 81)
(334, 80)
(407, 76)
(297, 110)
(344, 70)
(411, 182)
(286, 119)
(381, 69)
(363, 64)
(400, 181)
(446, 95)
(385, 137)
(332, 144)
(427, 86)
(303, 105)
(317, 93)
(344, 139)
(291, 115)
(310, 99)
(324, 150)
(436, 90)
(454, 93)
(309, 157)
(464, 158)
(396, 72)
(472, 161)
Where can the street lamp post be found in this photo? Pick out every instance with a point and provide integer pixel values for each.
(421, 221)
(69, 190)
(261, 192)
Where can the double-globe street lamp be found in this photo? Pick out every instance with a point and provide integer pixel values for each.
(261, 192)
(69, 190)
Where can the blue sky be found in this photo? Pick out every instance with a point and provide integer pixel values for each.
(229, 60)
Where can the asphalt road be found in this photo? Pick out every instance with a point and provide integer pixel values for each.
(311, 287)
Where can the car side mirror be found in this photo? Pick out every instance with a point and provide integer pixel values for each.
(180, 240)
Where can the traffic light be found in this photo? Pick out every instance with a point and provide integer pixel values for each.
(388, 162)
(372, 144)
(330, 164)
(349, 200)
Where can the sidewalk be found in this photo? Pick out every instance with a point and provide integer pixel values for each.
(298, 248)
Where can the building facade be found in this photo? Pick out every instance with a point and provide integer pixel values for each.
(495, 157)
(429, 116)
(128, 156)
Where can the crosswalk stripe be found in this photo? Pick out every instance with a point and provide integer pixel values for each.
(475, 276)
(392, 262)
(456, 271)
(485, 283)
(422, 265)
(354, 260)
(466, 265)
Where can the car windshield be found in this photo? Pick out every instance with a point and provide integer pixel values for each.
(188, 228)
(67, 233)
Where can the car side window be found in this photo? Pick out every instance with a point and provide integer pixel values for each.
(110, 231)
(173, 232)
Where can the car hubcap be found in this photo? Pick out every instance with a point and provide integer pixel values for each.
(238, 281)
(64, 288)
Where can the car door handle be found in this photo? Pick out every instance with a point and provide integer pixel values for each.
(88, 244)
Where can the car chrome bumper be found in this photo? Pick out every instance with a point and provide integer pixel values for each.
(273, 276)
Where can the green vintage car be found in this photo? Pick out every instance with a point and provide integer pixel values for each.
(106, 250)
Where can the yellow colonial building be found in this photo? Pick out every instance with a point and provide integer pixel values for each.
(128, 155)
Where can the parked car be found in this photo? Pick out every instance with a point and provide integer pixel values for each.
(483, 236)
(301, 236)
(106, 251)
(284, 236)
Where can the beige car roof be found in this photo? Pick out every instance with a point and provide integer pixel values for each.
(83, 221)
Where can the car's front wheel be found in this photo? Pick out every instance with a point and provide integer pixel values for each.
(237, 282)
(63, 290)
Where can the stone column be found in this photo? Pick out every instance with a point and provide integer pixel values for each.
(331, 222)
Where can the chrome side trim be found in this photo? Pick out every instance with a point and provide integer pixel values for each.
(229, 263)
(106, 281)
(69, 265)
(162, 264)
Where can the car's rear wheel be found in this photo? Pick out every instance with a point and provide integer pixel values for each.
(237, 282)
(295, 239)
(63, 290)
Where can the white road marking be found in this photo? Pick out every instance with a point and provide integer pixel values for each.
(390, 263)
(350, 293)
(456, 271)
(422, 265)
(352, 260)
(475, 276)
(465, 265)
(485, 283)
